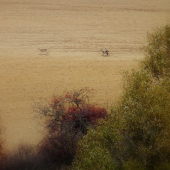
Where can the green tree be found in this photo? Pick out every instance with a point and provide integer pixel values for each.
(157, 59)
(136, 134)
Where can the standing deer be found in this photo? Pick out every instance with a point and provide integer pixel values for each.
(105, 51)
(43, 51)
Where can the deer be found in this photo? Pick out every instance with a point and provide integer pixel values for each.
(105, 51)
(43, 51)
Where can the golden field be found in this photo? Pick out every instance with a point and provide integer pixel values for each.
(74, 32)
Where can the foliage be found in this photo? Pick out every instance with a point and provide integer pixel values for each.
(136, 134)
(93, 151)
(157, 59)
(67, 120)
(146, 120)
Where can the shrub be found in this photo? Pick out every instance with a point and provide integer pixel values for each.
(67, 120)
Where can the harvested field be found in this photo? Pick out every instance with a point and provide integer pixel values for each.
(73, 32)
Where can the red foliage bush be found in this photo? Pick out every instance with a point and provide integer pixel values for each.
(82, 117)
(68, 119)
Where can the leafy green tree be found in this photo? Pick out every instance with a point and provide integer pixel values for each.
(157, 59)
(136, 134)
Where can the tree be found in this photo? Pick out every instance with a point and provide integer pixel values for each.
(67, 120)
(157, 59)
(136, 134)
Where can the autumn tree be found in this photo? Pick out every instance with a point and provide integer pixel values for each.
(67, 120)
(137, 133)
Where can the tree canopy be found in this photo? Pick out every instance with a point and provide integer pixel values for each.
(136, 134)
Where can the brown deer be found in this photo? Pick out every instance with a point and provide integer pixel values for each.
(105, 51)
(43, 51)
